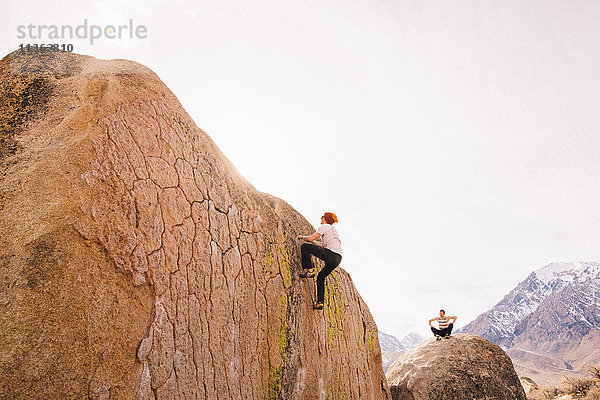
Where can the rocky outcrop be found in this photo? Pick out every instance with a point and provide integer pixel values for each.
(463, 367)
(529, 385)
(138, 263)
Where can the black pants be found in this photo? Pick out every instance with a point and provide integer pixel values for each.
(443, 332)
(331, 258)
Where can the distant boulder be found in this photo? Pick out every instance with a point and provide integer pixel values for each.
(463, 367)
(528, 384)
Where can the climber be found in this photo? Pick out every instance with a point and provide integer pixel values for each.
(444, 324)
(330, 252)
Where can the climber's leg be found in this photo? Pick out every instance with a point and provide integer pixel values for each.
(332, 260)
(308, 249)
(321, 282)
(436, 332)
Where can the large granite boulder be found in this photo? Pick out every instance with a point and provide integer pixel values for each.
(463, 367)
(138, 263)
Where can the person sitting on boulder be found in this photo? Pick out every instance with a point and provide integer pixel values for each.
(444, 324)
(330, 252)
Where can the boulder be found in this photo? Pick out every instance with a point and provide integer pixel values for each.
(137, 263)
(463, 367)
(528, 384)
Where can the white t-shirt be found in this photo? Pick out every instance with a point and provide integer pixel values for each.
(331, 239)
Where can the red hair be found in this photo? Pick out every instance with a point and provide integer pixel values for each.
(330, 218)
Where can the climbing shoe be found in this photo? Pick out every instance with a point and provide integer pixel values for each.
(447, 337)
(318, 306)
(438, 337)
(309, 273)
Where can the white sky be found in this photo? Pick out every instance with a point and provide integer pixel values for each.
(458, 142)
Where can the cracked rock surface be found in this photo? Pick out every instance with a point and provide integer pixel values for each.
(138, 263)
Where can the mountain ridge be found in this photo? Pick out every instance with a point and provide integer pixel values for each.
(547, 321)
(392, 347)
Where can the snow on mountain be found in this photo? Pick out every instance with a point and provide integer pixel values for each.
(568, 272)
(550, 323)
(500, 322)
(411, 340)
(391, 347)
(563, 316)
(562, 335)
(390, 343)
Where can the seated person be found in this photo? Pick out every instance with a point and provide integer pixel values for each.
(444, 325)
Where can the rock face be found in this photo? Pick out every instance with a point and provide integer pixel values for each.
(463, 367)
(137, 262)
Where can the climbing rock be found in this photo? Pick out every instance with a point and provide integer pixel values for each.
(463, 367)
(138, 263)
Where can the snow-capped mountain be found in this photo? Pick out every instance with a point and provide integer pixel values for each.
(411, 340)
(500, 322)
(391, 347)
(550, 323)
(563, 318)
(390, 343)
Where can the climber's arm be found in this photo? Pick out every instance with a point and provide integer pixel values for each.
(431, 320)
(311, 237)
(453, 318)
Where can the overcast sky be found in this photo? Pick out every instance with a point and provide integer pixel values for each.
(458, 142)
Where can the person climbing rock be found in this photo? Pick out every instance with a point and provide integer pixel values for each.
(444, 325)
(330, 252)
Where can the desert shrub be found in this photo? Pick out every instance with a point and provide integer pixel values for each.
(543, 394)
(578, 387)
(593, 394)
(594, 373)
(550, 393)
(587, 388)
